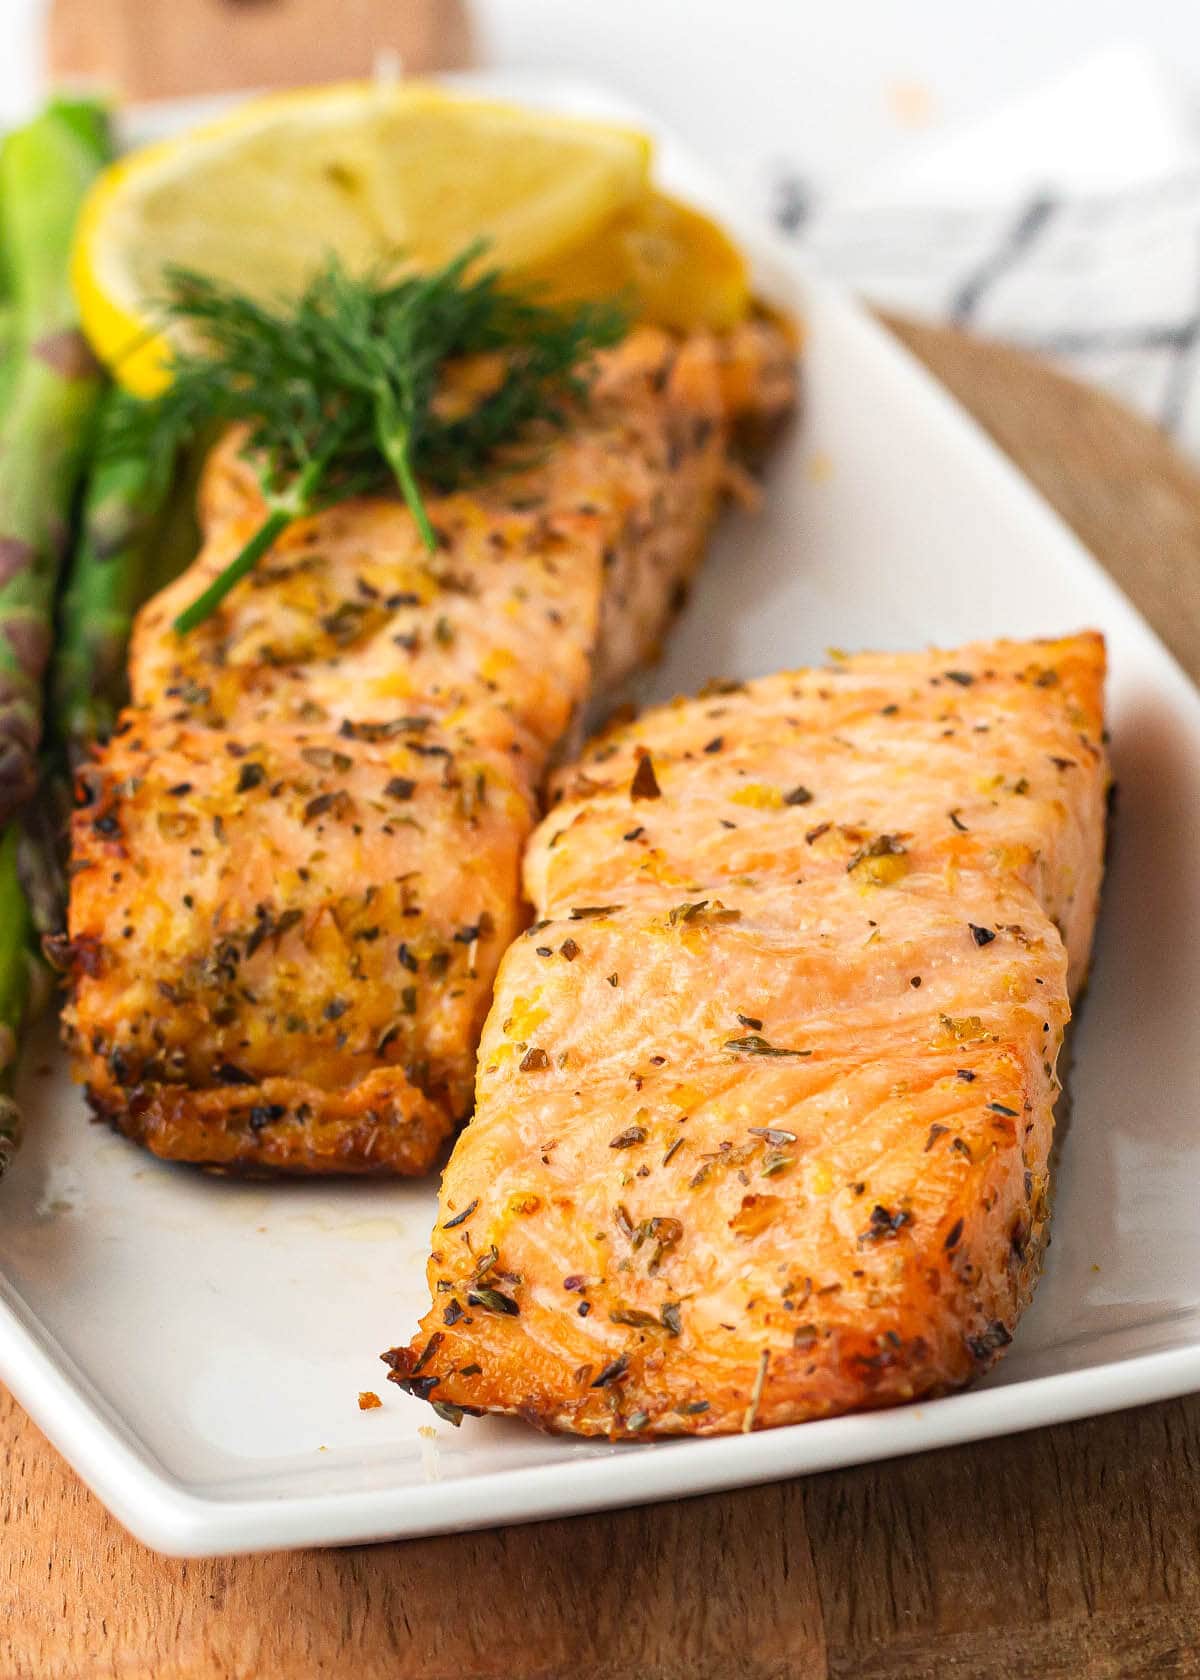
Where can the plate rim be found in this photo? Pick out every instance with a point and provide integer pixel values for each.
(164, 1513)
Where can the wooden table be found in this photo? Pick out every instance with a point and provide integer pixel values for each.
(1064, 1553)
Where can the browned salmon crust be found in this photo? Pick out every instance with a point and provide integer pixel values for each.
(296, 865)
(765, 1099)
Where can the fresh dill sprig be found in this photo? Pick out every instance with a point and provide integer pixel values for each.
(343, 386)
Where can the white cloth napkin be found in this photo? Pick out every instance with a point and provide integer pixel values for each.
(1069, 223)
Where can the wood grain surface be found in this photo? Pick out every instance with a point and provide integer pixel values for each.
(1067, 1554)
(156, 49)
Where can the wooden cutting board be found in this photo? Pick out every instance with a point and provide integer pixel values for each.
(1068, 1554)
(159, 49)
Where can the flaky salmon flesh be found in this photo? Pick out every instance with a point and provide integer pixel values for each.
(297, 864)
(766, 1095)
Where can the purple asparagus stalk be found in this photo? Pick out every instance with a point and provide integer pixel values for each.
(45, 170)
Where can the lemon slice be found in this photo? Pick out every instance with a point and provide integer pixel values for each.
(263, 196)
(678, 268)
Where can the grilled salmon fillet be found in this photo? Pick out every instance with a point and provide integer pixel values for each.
(765, 1099)
(297, 863)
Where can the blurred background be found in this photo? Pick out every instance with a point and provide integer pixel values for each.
(843, 87)
(1030, 171)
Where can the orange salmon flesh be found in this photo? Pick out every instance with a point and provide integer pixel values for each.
(766, 1095)
(297, 864)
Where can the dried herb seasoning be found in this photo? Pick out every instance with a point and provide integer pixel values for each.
(753, 1044)
(613, 1372)
(772, 1134)
(645, 783)
(635, 1317)
(460, 1218)
(884, 1223)
(492, 1300)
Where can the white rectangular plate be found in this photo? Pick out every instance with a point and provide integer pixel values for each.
(195, 1346)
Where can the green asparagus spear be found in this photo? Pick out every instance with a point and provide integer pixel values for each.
(8, 351)
(137, 533)
(45, 169)
(88, 120)
(9, 347)
(108, 579)
(49, 385)
(15, 976)
(176, 541)
(43, 828)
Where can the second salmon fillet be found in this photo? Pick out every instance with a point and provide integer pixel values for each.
(765, 1099)
(297, 863)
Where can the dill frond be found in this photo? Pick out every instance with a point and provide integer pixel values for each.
(340, 386)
